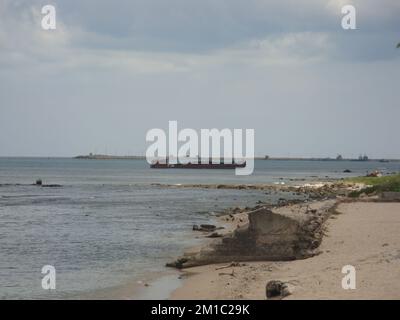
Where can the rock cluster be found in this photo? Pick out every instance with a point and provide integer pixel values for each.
(276, 289)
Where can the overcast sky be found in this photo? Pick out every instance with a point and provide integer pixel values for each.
(115, 69)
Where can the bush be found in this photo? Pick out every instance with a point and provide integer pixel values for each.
(376, 185)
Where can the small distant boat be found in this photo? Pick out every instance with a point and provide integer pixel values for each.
(198, 165)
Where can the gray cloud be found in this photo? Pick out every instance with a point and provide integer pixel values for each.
(191, 26)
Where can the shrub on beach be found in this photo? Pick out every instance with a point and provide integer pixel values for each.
(376, 185)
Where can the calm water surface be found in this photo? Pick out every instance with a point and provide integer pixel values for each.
(107, 224)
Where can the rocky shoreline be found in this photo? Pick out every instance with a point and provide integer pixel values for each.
(296, 249)
(316, 190)
(289, 230)
(359, 232)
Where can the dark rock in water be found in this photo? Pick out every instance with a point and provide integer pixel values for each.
(347, 171)
(236, 210)
(277, 289)
(208, 227)
(39, 182)
(177, 263)
(204, 227)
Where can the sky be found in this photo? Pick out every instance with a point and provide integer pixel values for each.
(112, 70)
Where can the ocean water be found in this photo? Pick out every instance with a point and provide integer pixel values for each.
(108, 224)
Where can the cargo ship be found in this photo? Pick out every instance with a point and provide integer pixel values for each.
(197, 165)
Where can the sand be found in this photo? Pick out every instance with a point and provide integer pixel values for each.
(363, 234)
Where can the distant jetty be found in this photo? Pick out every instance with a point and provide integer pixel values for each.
(108, 157)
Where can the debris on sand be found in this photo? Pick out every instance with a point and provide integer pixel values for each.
(374, 174)
(276, 289)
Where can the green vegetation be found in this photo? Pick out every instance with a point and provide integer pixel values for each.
(376, 184)
(373, 181)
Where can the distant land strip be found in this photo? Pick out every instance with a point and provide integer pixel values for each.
(114, 157)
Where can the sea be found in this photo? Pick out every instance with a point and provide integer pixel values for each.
(110, 224)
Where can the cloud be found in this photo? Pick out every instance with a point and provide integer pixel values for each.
(176, 35)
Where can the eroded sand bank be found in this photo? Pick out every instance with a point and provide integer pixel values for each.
(363, 234)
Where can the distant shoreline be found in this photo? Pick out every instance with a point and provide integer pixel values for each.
(116, 157)
(108, 157)
(111, 157)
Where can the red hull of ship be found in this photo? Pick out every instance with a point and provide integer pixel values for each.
(197, 165)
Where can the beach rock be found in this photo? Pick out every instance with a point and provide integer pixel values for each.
(208, 227)
(177, 263)
(38, 182)
(347, 171)
(204, 227)
(237, 210)
(276, 289)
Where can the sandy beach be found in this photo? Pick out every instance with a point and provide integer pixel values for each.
(360, 233)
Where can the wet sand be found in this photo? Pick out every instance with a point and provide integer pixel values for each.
(362, 234)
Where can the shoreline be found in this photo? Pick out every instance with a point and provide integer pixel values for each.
(162, 285)
(154, 286)
(264, 158)
(245, 235)
(226, 278)
(356, 235)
